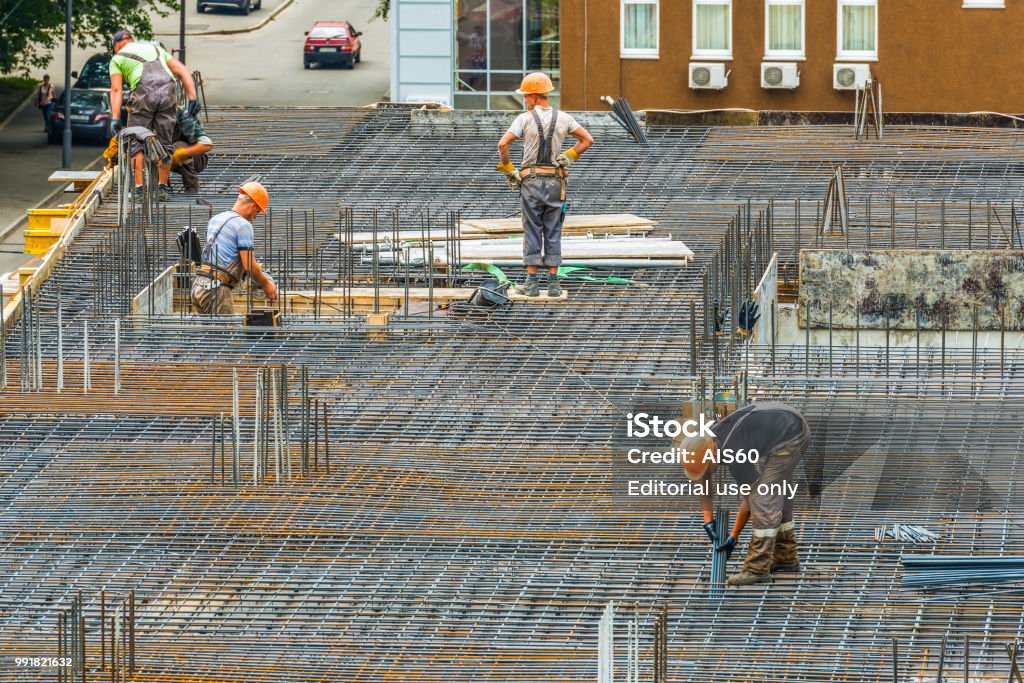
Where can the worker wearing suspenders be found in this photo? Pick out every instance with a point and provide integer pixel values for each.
(542, 178)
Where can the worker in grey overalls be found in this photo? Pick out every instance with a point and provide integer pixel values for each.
(149, 72)
(228, 254)
(542, 177)
(780, 435)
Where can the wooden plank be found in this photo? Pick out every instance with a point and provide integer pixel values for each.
(73, 176)
(390, 298)
(469, 233)
(572, 221)
(585, 249)
(518, 298)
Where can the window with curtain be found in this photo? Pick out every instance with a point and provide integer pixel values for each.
(784, 33)
(858, 29)
(639, 28)
(712, 28)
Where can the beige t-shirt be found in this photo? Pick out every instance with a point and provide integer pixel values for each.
(525, 128)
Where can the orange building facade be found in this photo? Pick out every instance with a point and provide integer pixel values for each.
(947, 56)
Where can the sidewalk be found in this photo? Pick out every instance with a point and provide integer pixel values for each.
(26, 161)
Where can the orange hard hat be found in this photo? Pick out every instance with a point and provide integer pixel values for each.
(257, 193)
(536, 83)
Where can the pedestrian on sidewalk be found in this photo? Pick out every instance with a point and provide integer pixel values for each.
(45, 96)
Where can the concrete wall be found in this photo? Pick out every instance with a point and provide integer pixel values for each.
(934, 289)
(421, 51)
(933, 56)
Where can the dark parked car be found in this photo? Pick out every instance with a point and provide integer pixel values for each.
(332, 42)
(243, 6)
(95, 74)
(90, 117)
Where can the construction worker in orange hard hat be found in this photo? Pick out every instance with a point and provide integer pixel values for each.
(542, 177)
(228, 254)
(780, 436)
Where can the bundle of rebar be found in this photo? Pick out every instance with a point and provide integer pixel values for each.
(935, 571)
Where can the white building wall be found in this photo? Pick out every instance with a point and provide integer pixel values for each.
(421, 51)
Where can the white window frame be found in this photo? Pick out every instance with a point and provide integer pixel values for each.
(637, 52)
(770, 54)
(854, 55)
(984, 4)
(710, 54)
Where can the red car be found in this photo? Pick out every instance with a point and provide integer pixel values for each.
(332, 42)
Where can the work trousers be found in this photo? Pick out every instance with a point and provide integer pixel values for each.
(542, 220)
(190, 172)
(773, 540)
(215, 301)
(152, 104)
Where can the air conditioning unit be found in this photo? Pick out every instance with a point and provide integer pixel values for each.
(781, 75)
(708, 76)
(850, 76)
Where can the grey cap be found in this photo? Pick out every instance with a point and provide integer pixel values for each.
(121, 35)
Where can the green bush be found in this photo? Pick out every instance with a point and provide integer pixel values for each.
(13, 91)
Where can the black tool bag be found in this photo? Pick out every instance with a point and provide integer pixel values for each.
(491, 294)
(188, 246)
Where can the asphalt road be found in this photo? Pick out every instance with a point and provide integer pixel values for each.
(262, 67)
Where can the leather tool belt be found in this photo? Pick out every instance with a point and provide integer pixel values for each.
(527, 171)
(217, 273)
(553, 171)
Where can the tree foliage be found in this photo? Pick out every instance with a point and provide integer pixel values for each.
(383, 10)
(30, 30)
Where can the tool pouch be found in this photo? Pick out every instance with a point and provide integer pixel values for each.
(188, 245)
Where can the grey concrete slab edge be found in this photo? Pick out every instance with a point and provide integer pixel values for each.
(20, 222)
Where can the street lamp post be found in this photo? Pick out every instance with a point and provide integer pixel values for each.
(181, 34)
(67, 86)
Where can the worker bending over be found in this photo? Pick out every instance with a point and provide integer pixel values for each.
(191, 149)
(228, 254)
(150, 73)
(541, 179)
(780, 435)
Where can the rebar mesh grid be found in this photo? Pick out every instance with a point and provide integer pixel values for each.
(469, 528)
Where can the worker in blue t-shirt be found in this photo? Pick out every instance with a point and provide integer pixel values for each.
(228, 254)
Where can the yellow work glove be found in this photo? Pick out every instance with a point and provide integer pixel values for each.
(110, 153)
(511, 175)
(180, 158)
(567, 158)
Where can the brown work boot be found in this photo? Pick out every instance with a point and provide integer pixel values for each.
(745, 578)
(759, 555)
(530, 288)
(784, 557)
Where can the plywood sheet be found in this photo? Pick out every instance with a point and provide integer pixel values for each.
(581, 222)
(467, 232)
(585, 249)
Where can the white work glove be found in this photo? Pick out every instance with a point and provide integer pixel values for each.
(566, 158)
(512, 177)
(514, 180)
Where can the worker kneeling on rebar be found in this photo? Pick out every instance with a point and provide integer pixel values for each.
(228, 254)
(542, 177)
(780, 436)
